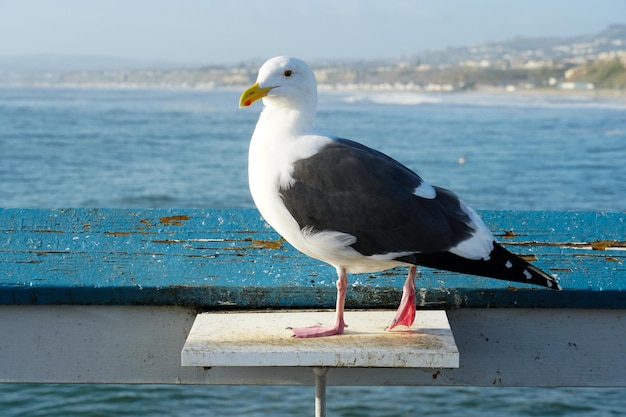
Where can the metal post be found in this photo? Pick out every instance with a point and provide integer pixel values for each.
(320, 391)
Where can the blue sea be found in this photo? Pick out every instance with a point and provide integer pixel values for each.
(188, 148)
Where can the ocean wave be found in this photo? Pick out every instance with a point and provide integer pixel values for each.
(537, 100)
(489, 99)
(399, 98)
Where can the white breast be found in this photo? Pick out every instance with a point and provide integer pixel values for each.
(270, 168)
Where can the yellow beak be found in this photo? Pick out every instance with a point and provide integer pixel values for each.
(253, 94)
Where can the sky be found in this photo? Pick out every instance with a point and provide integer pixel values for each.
(234, 31)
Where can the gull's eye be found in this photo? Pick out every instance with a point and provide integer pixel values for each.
(288, 73)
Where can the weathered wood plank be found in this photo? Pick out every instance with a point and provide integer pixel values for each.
(231, 259)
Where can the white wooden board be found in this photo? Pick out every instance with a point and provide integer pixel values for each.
(263, 339)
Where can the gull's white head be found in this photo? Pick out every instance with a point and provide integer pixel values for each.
(283, 82)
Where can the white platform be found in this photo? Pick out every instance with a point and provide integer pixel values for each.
(262, 339)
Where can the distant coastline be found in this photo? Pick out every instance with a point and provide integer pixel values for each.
(599, 92)
(598, 77)
(584, 65)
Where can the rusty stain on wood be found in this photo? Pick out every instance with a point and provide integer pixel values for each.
(529, 258)
(268, 244)
(606, 244)
(509, 234)
(174, 220)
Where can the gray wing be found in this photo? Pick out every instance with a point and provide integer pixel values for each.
(354, 189)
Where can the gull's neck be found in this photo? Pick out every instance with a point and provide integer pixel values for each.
(287, 121)
(289, 114)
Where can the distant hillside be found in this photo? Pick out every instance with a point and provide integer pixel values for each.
(610, 74)
(573, 50)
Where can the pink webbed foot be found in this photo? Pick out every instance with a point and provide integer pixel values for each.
(318, 331)
(405, 316)
(321, 331)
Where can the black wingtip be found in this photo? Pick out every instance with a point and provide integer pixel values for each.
(519, 270)
(539, 277)
(501, 264)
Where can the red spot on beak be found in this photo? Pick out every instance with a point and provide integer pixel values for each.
(247, 102)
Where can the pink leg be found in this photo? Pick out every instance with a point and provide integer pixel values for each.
(319, 331)
(405, 316)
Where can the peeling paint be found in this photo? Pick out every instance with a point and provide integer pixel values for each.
(117, 234)
(83, 251)
(599, 245)
(269, 244)
(607, 244)
(174, 220)
(169, 241)
(509, 234)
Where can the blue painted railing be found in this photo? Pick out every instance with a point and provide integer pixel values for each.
(231, 259)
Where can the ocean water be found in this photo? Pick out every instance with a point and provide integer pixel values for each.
(186, 148)
(163, 148)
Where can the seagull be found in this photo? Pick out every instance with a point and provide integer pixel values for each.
(356, 208)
